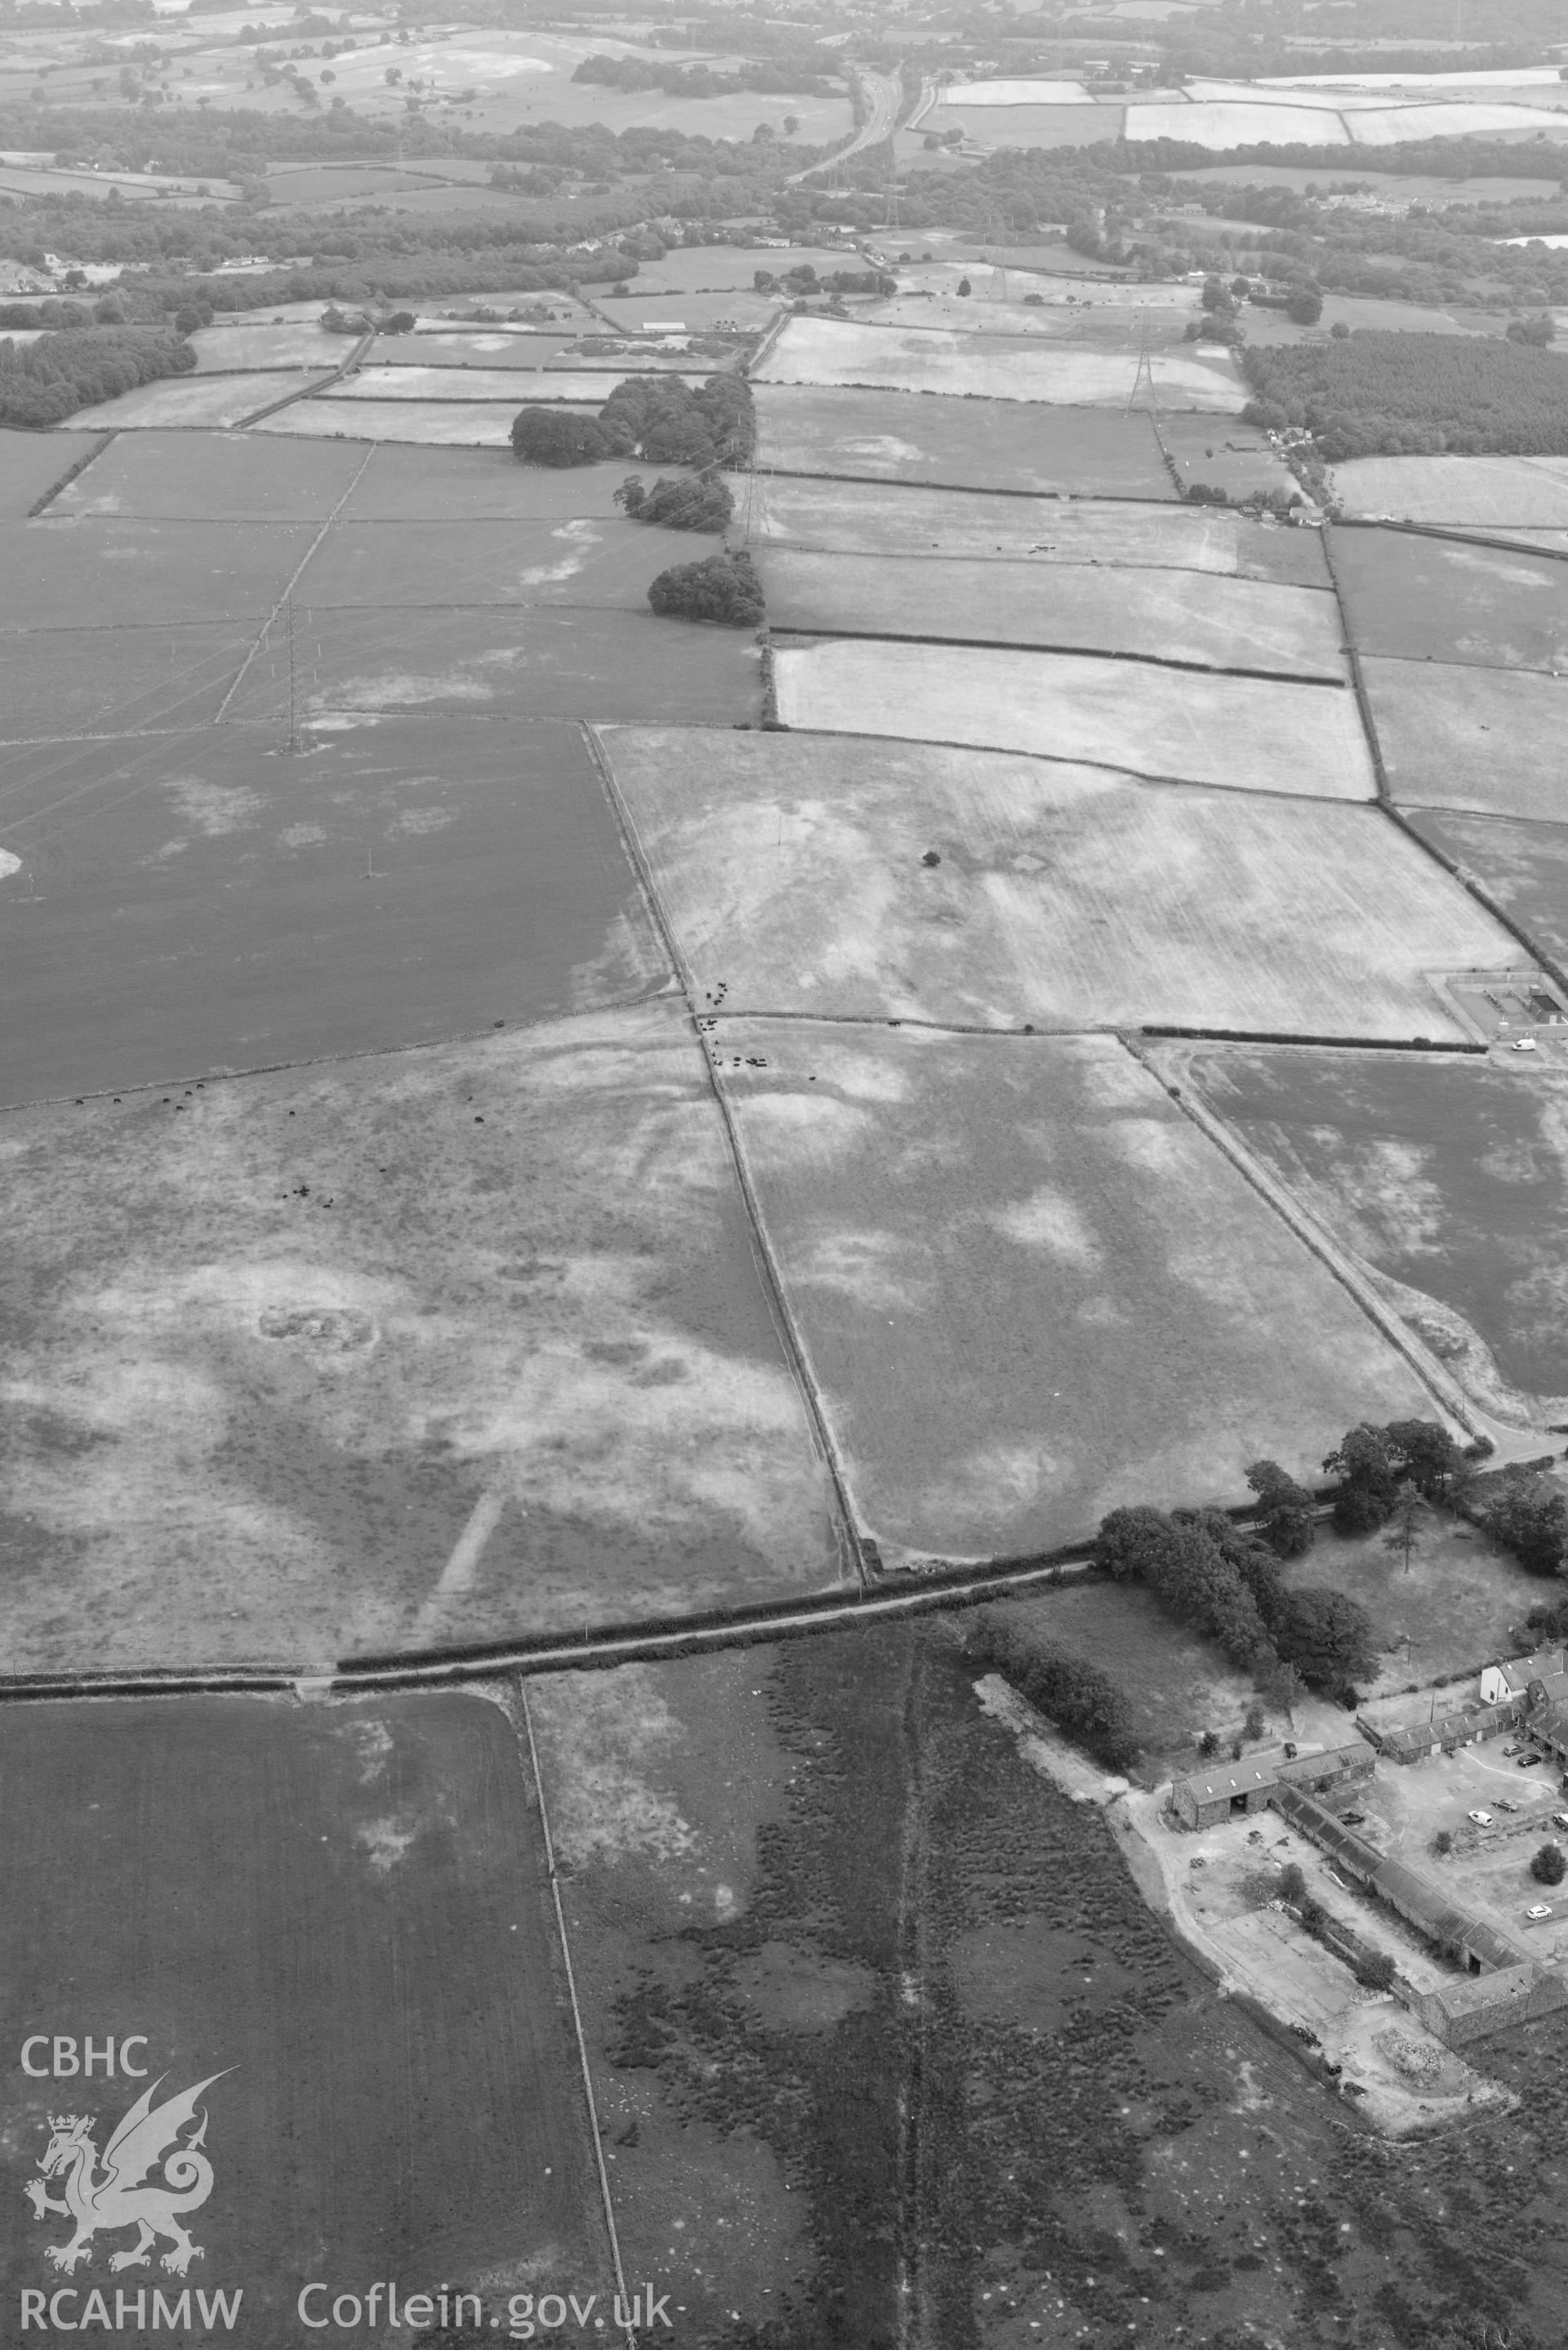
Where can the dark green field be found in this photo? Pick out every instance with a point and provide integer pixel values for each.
(194, 904)
(343, 1911)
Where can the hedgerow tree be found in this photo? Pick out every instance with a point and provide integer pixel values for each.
(671, 423)
(1225, 1583)
(723, 587)
(1081, 1700)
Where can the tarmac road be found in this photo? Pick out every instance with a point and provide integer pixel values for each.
(884, 94)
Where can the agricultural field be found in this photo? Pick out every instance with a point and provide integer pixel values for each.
(1027, 126)
(887, 518)
(1236, 625)
(829, 352)
(1430, 718)
(1220, 124)
(791, 872)
(1500, 492)
(191, 400)
(363, 664)
(61, 681)
(448, 1343)
(411, 2074)
(1522, 867)
(190, 905)
(1236, 458)
(423, 424)
(1434, 599)
(123, 571)
(238, 351)
(971, 445)
(30, 465)
(1241, 733)
(629, 315)
(459, 485)
(383, 384)
(481, 348)
(1399, 188)
(210, 477)
(1061, 2135)
(1447, 1179)
(587, 561)
(1148, 1324)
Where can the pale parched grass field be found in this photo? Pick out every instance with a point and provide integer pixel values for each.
(1029, 1289)
(272, 1345)
(228, 351)
(1239, 732)
(191, 400)
(1471, 738)
(1529, 491)
(972, 444)
(903, 359)
(426, 424)
(1234, 624)
(791, 869)
(896, 518)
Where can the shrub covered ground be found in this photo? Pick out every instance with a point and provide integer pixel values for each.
(880, 2017)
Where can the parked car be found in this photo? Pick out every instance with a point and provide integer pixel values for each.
(1353, 1819)
(1506, 1803)
(1481, 1819)
(1560, 1819)
(1511, 1750)
(1528, 1762)
(1539, 1909)
(1524, 1043)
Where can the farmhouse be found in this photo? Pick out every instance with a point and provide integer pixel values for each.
(1228, 1790)
(1499, 1683)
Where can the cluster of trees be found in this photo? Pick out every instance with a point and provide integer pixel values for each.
(698, 80)
(682, 503)
(1376, 1466)
(722, 587)
(656, 417)
(1225, 1582)
(1526, 1514)
(1379, 393)
(1083, 1703)
(42, 382)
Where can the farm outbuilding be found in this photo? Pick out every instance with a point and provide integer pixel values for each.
(1206, 1798)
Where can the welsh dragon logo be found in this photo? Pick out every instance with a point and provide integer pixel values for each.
(123, 2194)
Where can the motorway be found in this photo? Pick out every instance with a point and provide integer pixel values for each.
(884, 96)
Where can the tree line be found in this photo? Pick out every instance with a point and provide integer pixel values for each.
(41, 383)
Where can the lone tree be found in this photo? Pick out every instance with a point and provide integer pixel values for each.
(1305, 305)
(549, 436)
(1549, 1867)
(724, 587)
